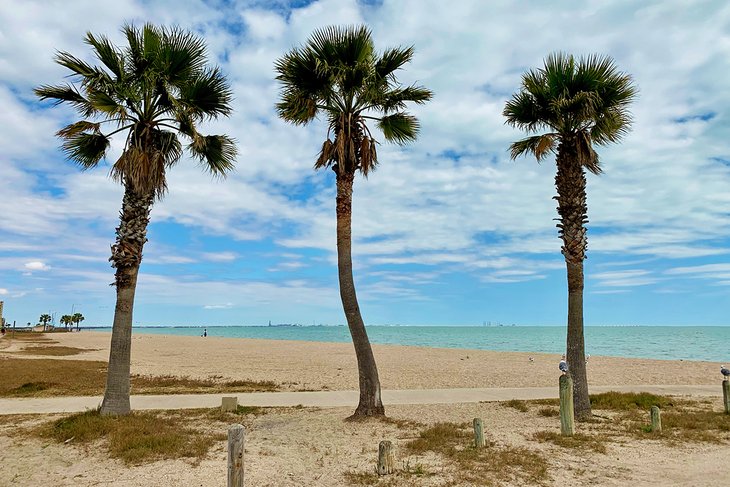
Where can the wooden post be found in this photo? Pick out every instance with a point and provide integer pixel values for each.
(479, 440)
(236, 434)
(656, 419)
(567, 427)
(726, 395)
(229, 404)
(386, 458)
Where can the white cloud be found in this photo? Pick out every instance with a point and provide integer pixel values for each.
(36, 265)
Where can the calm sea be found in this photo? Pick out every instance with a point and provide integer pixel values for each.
(711, 343)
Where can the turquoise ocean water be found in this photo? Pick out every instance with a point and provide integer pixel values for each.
(710, 343)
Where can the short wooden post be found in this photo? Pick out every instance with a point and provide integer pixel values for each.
(479, 440)
(726, 395)
(386, 458)
(236, 434)
(567, 426)
(229, 404)
(656, 419)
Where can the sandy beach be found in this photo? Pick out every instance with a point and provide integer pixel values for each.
(315, 447)
(297, 365)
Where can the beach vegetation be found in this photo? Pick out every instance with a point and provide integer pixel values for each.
(153, 92)
(137, 438)
(480, 466)
(617, 401)
(51, 350)
(517, 404)
(595, 442)
(44, 320)
(338, 74)
(49, 377)
(577, 104)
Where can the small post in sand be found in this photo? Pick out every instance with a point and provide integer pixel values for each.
(236, 435)
(479, 441)
(656, 419)
(726, 395)
(229, 404)
(386, 458)
(567, 427)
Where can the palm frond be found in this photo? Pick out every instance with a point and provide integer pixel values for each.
(393, 59)
(399, 127)
(107, 54)
(217, 153)
(84, 148)
(537, 145)
(66, 93)
(207, 95)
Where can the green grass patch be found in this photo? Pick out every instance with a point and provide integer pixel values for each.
(135, 438)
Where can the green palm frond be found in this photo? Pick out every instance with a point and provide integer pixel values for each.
(217, 153)
(84, 148)
(338, 72)
(156, 89)
(399, 127)
(537, 145)
(581, 101)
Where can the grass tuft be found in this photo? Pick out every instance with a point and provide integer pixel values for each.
(135, 438)
(517, 404)
(625, 401)
(597, 443)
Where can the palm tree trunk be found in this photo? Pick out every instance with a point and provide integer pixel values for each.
(370, 403)
(126, 258)
(570, 182)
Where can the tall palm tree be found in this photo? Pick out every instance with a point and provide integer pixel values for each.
(339, 75)
(66, 320)
(580, 104)
(154, 91)
(44, 320)
(77, 318)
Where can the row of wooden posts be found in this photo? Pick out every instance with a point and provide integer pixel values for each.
(386, 452)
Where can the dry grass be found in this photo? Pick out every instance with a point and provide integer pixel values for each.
(136, 438)
(47, 377)
(516, 404)
(52, 350)
(595, 442)
(548, 412)
(626, 401)
(480, 466)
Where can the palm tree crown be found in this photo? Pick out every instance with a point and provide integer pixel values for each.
(339, 73)
(584, 102)
(156, 88)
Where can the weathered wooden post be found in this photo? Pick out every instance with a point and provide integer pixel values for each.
(236, 434)
(567, 426)
(386, 458)
(229, 404)
(726, 395)
(656, 419)
(479, 440)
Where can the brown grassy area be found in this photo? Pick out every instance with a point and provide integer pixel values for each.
(51, 350)
(26, 336)
(481, 466)
(47, 377)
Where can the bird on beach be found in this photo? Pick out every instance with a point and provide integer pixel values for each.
(725, 372)
(588, 358)
(563, 366)
(531, 359)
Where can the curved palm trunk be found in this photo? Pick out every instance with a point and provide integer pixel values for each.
(570, 182)
(370, 403)
(126, 258)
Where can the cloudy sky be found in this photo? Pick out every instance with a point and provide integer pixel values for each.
(448, 230)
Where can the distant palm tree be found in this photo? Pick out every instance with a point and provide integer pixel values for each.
(66, 320)
(44, 320)
(581, 104)
(338, 74)
(77, 318)
(154, 91)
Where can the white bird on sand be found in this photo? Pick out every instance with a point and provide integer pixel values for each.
(725, 372)
(563, 365)
(588, 358)
(531, 359)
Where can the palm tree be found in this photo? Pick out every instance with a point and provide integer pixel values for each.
(338, 74)
(580, 104)
(44, 320)
(66, 320)
(77, 318)
(154, 91)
